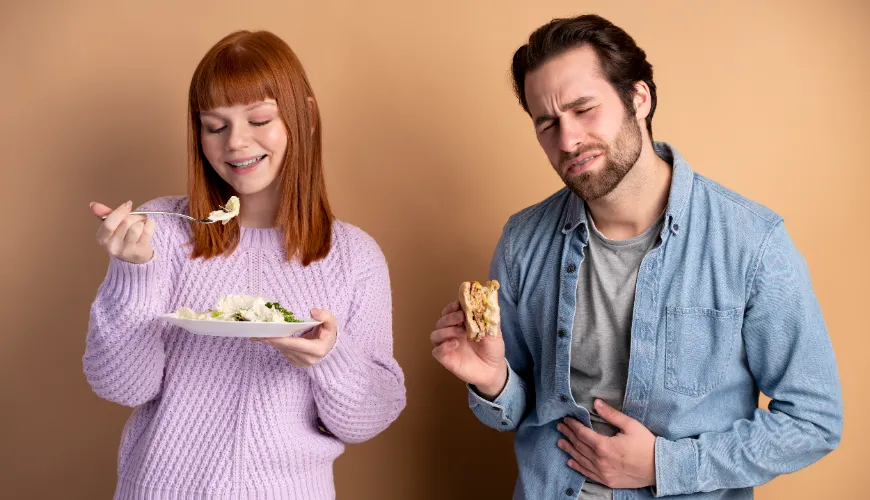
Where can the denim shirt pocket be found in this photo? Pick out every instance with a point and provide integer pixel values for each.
(700, 343)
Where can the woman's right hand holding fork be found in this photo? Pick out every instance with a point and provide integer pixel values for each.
(125, 236)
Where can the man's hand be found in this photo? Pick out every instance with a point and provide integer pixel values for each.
(626, 460)
(481, 364)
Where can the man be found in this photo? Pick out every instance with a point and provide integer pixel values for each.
(643, 306)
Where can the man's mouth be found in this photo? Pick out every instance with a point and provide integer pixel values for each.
(576, 163)
(586, 160)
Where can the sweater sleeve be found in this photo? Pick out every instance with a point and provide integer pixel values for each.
(124, 353)
(359, 387)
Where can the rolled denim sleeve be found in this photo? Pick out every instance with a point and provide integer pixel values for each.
(792, 360)
(507, 411)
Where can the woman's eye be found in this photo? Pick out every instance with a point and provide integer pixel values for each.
(212, 130)
(260, 124)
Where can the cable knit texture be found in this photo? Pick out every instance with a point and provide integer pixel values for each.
(224, 418)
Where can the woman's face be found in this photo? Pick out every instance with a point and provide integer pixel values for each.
(245, 144)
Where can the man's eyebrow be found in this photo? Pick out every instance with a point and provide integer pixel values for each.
(580, 101)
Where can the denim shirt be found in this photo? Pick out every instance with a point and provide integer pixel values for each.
(723, 308)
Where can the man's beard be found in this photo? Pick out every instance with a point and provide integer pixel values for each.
(619, 158)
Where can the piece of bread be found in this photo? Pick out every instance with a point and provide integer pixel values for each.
(479, 302)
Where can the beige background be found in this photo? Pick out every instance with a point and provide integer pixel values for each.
(768, 98)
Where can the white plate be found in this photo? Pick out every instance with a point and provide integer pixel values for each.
(245, 329)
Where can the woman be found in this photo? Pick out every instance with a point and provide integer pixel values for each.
(223, 417)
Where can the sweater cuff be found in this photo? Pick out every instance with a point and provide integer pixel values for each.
(676, 467)
(340, 365)
(131, 284)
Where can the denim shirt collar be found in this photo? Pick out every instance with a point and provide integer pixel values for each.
(678, 199)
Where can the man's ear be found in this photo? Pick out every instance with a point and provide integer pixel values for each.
(642, 100)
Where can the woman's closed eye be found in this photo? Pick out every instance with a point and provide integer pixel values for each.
(218, 130)
(213, 126)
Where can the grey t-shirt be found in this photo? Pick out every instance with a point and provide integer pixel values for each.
(601, 336)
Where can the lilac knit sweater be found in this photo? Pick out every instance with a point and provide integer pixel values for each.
(230, 418)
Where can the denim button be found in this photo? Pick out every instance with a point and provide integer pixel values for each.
(563, 398)
(562, 333)
(570, 492)
(571, 268)
(504, 424)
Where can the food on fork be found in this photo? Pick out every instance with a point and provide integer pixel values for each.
(239, 307)
(479, 302)
(227, 212)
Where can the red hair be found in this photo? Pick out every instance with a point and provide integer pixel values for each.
(243, 68)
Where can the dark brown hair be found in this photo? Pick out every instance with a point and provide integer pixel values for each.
(622, 61)
(242, 68)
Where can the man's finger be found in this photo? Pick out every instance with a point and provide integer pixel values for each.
(581, 447)
(445, 349)
(613, 416)
(451, 319)
(584, 434)
(588, 468)
(438, 337)
(585, 471)
(453, 306)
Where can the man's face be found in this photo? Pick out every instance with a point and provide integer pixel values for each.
(581, 123)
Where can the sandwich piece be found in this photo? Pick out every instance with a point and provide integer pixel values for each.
(479, 302)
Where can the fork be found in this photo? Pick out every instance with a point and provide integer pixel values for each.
(175, 214)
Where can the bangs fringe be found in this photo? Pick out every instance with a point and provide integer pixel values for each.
(234, 76)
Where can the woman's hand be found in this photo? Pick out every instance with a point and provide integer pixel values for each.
(307, 349)
(125, 236)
